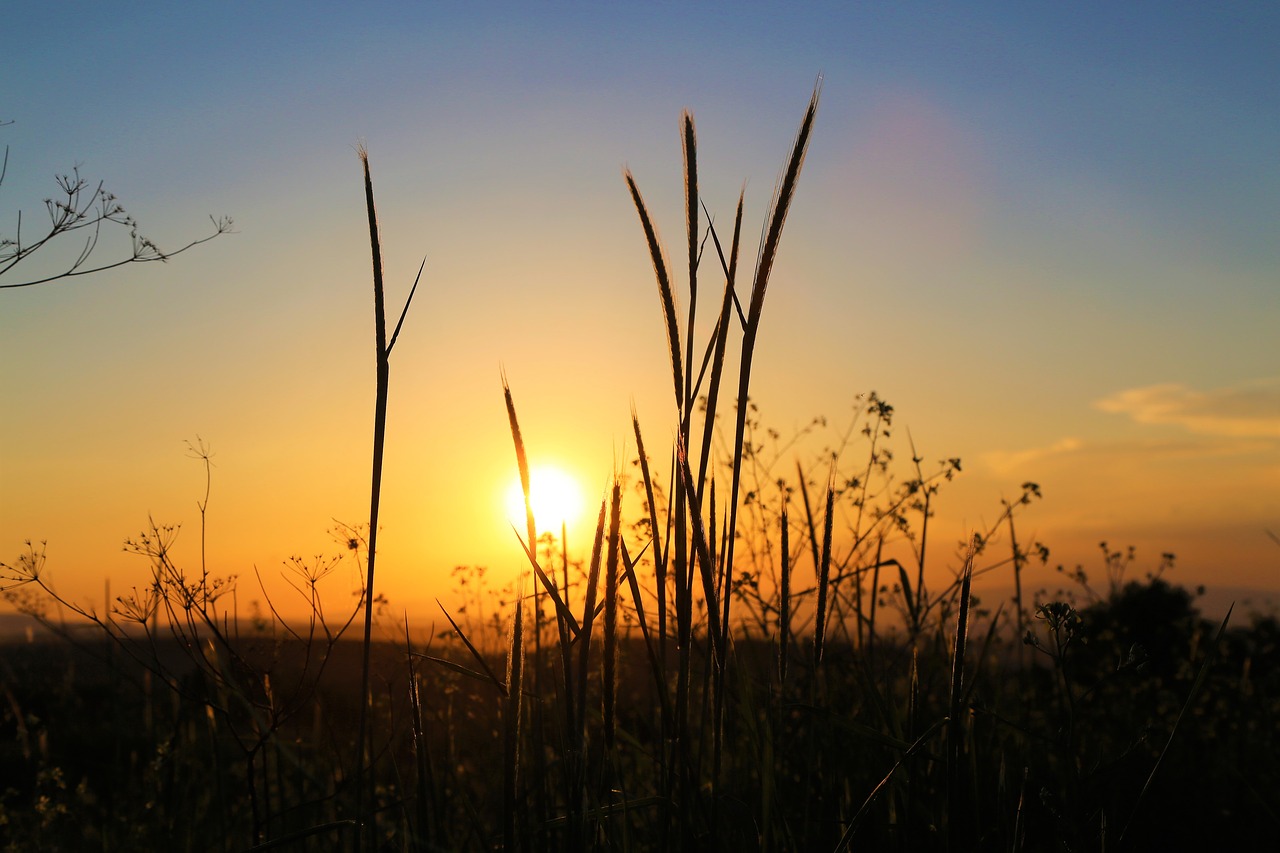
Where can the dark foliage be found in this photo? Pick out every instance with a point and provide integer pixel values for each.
(1056, 754)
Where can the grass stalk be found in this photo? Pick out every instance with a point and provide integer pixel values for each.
(875, 599)
(777, 217)
(511, 724)
(810, 521)
(925, 515)
(579, 794)
(784, 598)
(522, 463)
(588, 619)
(720, 341)
(687, 505)
(823, 574)
(666, 295)
(690, 143)
(382, 352)
(364, 748)
(646, 633)
(610, 663)
(957, 813)
(1017, 582)
(424, 824)
(659, 556)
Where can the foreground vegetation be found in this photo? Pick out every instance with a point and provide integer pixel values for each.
(1117, 732)
(750, 658)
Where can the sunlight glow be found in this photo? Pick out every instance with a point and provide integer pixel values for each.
(556, 499)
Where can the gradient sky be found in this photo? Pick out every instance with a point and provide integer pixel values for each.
(1048, 234)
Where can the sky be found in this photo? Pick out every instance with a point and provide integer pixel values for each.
(1046, 233)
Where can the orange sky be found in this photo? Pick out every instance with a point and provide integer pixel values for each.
(1052, 250)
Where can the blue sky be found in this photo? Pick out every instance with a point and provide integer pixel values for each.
(1047, 233)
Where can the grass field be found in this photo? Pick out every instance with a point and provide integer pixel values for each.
(1116, 732)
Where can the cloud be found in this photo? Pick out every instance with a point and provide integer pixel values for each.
(1113, 455)
(1004, 461)
(1246, 410)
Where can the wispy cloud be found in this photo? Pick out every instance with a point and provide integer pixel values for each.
(1246, 410)
(1004, 461)
(1113, 456)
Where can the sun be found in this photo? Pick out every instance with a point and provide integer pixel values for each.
(554, 494)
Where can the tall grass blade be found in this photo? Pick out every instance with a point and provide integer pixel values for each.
(846, 839)
(779, 208)
(768, 250)
(808, 515)
(690, 142)
(563, 613)
(729, 300)
(425, 824)
(589, 613)
(576, 699)
(988, 640)
(475, 653)
(659, 556)
(522, 461)
(925, 516)
(956, 813)
(405, 311)
(702, 553)
(610, 685)
(875, 596)
(452, 666)
(382, 365)
(909, 599)
(646, 632)
(665, 294)
(784, 598)
(824, 578)
(511, 723)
